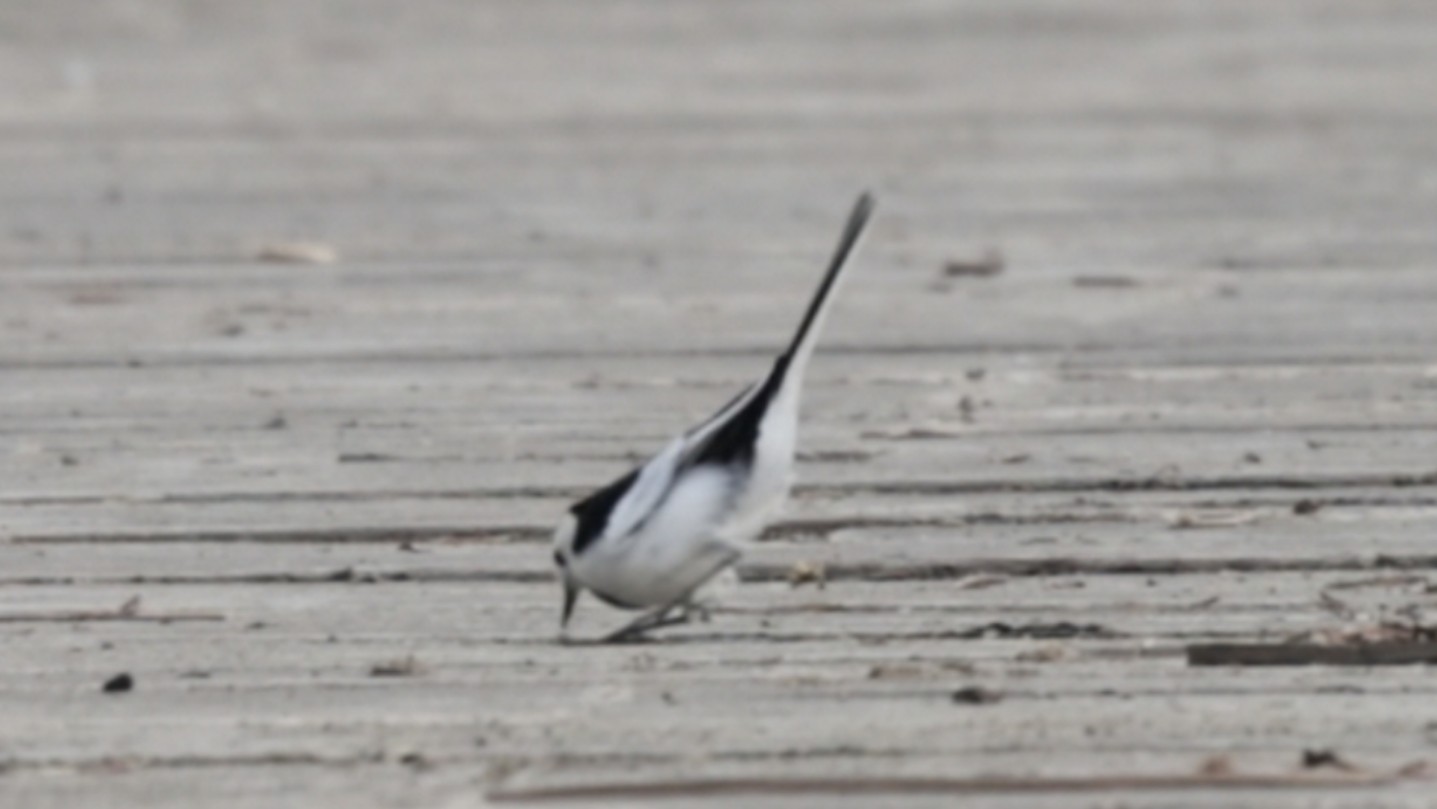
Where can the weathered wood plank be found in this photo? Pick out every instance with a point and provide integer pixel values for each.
(1198, 403)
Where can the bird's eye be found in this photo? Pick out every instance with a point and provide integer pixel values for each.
(559, 559)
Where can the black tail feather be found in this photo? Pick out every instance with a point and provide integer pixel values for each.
(735, 441)
(857, 220)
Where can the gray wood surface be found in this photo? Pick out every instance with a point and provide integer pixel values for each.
(306, 505)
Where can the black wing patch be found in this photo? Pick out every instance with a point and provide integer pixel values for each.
(734, 442)
(592, 513)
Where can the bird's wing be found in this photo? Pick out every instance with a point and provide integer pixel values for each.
(729, 439)
(699, 434)
(651, 484)
(648, 490)
(622, 508)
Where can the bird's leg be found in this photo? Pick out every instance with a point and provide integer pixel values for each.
(651, 620)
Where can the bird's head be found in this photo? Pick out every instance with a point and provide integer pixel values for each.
(563, 559)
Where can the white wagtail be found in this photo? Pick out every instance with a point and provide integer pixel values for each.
(651, 538)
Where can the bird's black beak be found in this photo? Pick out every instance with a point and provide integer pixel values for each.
(571, 595)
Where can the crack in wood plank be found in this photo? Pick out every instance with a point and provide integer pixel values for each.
(757, 572)
(897, 785)
(1156, 482)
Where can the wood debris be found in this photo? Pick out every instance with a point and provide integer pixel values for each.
(1197, 520)
(976, 695)
(298, 253)
(399, 667)
(806, 572)
(989, 265)
(1316, 759)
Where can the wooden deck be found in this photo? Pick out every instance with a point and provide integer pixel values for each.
(305, 505)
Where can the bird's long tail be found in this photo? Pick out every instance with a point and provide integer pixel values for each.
(796, 357)
(732, 433)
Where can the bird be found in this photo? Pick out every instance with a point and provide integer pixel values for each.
(653, 537)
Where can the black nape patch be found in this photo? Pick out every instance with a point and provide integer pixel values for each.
(592, 513)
